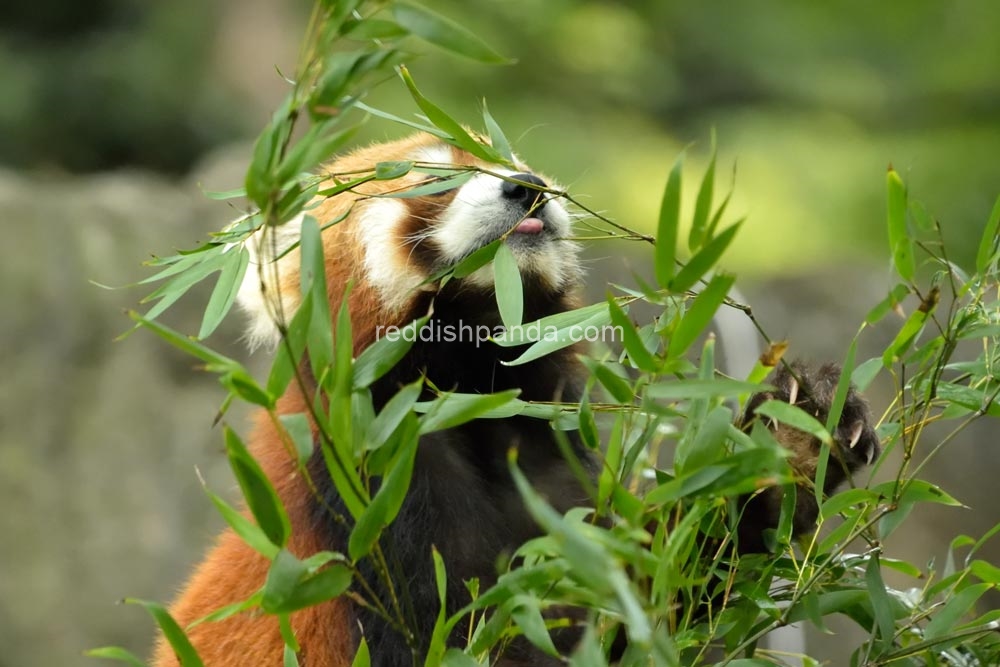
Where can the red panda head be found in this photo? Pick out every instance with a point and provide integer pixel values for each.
(387, 247)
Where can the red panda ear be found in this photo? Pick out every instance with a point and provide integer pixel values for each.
(269, 292)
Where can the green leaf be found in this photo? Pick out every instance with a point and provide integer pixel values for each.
(240, 383)
(445, 33)
(381, 356)
(913, 492)
(845, 499)
(589, 560)
(230, 610)
(220, 195)
(702, 207)
(918, 491)
(172, 632)
(319, 337)
(387, 171)
(708, 444)
(248, 531)
(299, 429)
(115, 653)
(420, 127)
(692, 389)
(319, 143)
(439, 635)
(291, 586)
(363, 657)
(553, 337)
(226, 288)
(374, 29)
(285, 572)
(865, 373)
(704, 261)
(988, 572)
(795, 417)
(451, 127)
(633, 344)
(528, 616)
(954, 609)
(987, 245)
(261, 497)
(899, 238)
(890, 302)
(699, 314)
(669, 222)
(509, 290)
(617, 386)
(497, 138)
(843, 387)
(904, 339)
(453, 657)
(433, 187)
(830, 603)
(385, 505)
(290, 351)
(287, 635)
(392, 415)
(477, 259)
(214, 360)
(259, 179)
(450, 410)
(168, 293)
(881, 604)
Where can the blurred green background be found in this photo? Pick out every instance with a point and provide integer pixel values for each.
(114, 112)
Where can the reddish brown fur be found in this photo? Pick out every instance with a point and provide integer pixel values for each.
(232, 571)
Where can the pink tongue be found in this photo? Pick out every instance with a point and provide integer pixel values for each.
(530, 226)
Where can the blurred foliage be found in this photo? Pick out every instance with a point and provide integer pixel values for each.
(810, 97)
(110, 83)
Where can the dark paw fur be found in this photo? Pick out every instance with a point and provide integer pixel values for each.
(855, 445)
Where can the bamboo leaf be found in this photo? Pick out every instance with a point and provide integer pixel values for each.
(987, 244)
(386, 504)
(381, 356)
(172, 632)
(669, 222)
(225, 291)
(705, 260)
(703, 206)
(261, 497)
(452, 128)
(899, 238)
(115, 653)
(508, 286)
(497, 138)
(445, 33)
(699, 315)
(633, 344)
(453, 409)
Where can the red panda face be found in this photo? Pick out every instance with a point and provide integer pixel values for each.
(389, 246)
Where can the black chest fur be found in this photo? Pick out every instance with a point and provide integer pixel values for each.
(461, 498)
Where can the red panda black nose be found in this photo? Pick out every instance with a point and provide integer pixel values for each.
(528, 197)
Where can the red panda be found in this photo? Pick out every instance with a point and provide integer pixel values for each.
(461, 498)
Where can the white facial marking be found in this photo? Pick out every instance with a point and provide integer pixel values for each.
(378, 229)
(259, 295)
(436, 154)
(472, 216)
